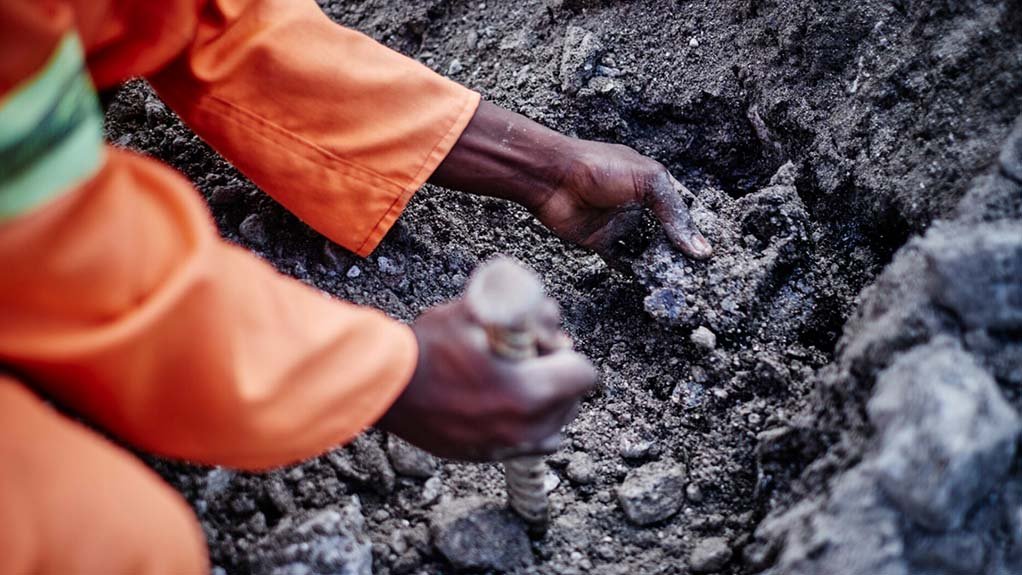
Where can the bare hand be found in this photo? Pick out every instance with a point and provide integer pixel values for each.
(603, 194)
(589, 193)
(466, 403)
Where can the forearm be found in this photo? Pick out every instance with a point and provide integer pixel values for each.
(506, 155)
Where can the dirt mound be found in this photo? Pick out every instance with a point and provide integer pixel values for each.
(924, 397)
(759, 278)
(886, 112)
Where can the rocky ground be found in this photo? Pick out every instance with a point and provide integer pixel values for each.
(838, 391)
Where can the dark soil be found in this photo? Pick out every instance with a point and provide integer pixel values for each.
(886, 111)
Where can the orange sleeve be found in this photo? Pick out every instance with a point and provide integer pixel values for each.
(119, 299)
(336, 127)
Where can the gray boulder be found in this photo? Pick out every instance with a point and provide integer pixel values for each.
(947, 434)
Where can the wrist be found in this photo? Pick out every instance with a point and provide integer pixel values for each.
(505, 155)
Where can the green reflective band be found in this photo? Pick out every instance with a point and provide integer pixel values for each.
(51, 132)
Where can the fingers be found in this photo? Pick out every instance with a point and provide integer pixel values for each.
(669, 207)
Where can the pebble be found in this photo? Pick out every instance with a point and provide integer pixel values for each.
(710, 555)
(353, 272)
(703, 338)
(431, 490)
(694, 493)
(409, 460)
(581, 54)
(333, 255)
(550, 482)
(455, 67)
(580, 469)
(253, 230)
(693, 43)
(388, 266)
(371, 456)
(653, 492)
(226, 195)
(634, 447)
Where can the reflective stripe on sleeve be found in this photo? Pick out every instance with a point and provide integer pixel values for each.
(51, 132)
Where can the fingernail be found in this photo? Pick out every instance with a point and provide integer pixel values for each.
(700, 245)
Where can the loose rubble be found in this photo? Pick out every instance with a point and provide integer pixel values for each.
(757, 277)
(331, 541)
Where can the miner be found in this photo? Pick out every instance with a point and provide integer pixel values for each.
(119, 302)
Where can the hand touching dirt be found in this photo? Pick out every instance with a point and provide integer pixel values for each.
(466, 403)
(602, 196)
(590, 193)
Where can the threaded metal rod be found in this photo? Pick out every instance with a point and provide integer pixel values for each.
(525, 477)
(506, 298)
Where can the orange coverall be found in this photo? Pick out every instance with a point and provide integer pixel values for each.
(119, 301)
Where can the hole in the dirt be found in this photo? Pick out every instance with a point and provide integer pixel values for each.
(715, 138)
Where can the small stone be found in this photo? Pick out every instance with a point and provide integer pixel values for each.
(333, 255)
(388, 266)
(693, 43)
(550, 482)
(409, 460)
(703, 338)
(580, 469)
(479, 534)
(253, 230)
(225, 195)
(582, 51)
(710, 555)
(353, 272)
(431, 490)
(634, 447)
(653, 492)
(280, 497)
(694, 493)
(370, 455)
(455, 67)
(217, 482)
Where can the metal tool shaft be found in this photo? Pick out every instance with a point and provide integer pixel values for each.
(507, 300)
